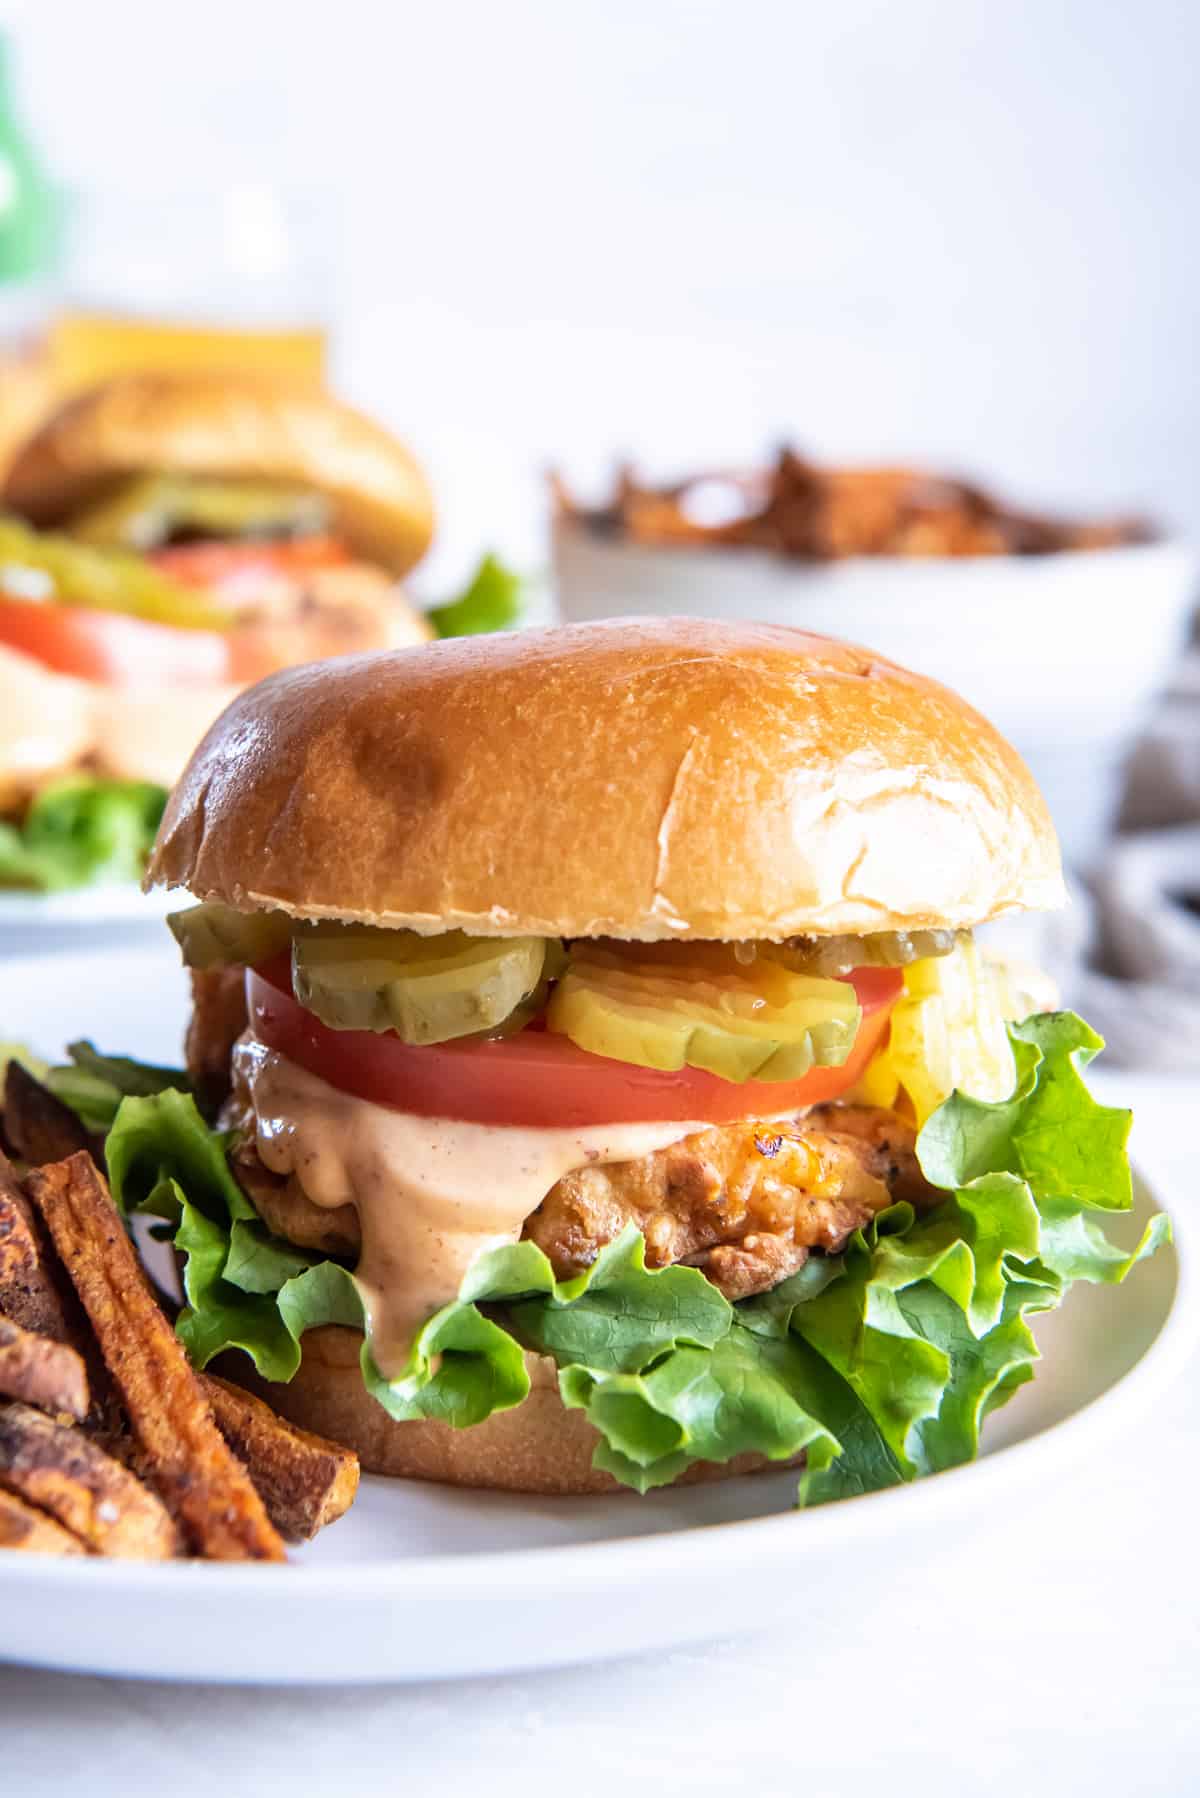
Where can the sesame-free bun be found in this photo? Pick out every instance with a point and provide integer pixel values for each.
(640, 779)
(229, 425)
(538, 1446)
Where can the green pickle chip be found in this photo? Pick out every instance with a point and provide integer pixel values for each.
(741, 1011)
(426, 989)
(107, 580)
(703, 1005)
(216, 936)
(147, 511)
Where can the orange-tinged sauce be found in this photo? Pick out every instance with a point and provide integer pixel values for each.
(431, 1193)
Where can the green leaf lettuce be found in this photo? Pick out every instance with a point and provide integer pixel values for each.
(880, 1363)
(493, 600)
(81, 830)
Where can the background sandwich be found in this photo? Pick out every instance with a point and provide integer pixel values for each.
(166, 539)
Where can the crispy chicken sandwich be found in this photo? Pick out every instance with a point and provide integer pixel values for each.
(165, 540)
(593, 1076)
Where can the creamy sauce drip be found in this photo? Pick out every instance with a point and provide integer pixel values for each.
(431, 1193)
(51, 722)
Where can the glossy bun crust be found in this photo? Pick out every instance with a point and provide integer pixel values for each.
(641, 779)
(232, 425)
(539, 1446)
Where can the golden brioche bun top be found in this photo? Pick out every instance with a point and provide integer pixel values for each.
(641, 779)
(232, 425)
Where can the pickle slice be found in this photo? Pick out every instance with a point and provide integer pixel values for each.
(697, 1005)
(111, 580)
(833, 955)
(216, 936)
(149, 510)
(426, 989)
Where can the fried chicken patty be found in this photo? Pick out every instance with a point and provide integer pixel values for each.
(746, 1203)
(286, 1210)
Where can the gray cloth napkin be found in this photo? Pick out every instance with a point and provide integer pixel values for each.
(1126, 953)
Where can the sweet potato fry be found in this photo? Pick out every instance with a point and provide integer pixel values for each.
(36, 1295)
(38, 1125)
(23, 1527)
(816, 513)
(304, 1481)
(29, 1292)
(42, 1372)
(62, 1471)
(181, 1447)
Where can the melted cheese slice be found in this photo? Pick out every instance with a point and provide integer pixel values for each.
(52, 722)
(431, 1193)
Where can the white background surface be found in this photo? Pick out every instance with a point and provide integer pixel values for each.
(947, 229)
(961, 232)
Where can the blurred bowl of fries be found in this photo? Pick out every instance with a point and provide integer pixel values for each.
(1060, 632)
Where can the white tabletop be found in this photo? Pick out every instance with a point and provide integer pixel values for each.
(1057, 1654)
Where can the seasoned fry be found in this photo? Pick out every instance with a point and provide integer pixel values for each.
(98, 1347)
(36, 1295)
(304, 1481)
(799, 508)
(38, 1125)
(62, 1471)
(42, 1372)
(29, 1292)
(31, 1531)
(183, 1450)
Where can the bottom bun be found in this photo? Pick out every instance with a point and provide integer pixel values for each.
(539, 1446)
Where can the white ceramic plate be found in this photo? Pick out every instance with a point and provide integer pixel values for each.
(423, 1581)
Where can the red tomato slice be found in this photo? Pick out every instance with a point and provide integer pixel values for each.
(209, 564)
(112, 647)
(537, 1078)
